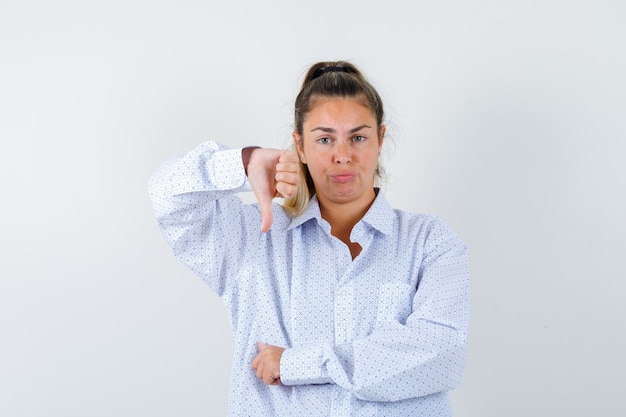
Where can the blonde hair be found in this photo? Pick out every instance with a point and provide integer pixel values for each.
(294, 206)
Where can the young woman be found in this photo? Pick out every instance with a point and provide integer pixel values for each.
(339, 304)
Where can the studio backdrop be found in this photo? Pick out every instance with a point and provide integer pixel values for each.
(504, 118)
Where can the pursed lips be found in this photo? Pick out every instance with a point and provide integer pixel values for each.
(343, 176)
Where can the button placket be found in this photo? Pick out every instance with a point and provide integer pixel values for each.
(344, 320)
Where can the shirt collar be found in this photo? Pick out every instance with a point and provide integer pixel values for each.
(380, 215)
(312, 211)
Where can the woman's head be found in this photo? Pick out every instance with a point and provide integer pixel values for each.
(335, 79)
(332, 81)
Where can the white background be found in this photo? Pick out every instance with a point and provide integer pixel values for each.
(505, 118)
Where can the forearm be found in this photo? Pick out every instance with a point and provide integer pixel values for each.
(198, 212)
(208, 168)
(389, 365)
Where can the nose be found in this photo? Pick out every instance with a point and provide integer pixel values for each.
(342, 153)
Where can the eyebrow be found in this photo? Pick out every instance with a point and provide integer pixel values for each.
(331, 130)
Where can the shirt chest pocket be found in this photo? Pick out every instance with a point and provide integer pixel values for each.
(395, 303)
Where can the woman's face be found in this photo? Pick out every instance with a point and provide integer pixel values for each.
(340, 144)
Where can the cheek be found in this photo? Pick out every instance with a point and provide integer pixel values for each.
(314, 167)
(371, 157)
(313, 159)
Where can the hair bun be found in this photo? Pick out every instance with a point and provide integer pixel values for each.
(331, 68)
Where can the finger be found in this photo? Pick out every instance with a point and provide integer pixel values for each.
(269, 379)
(273, 377)
(265, 205)
(287, 183)
(288, 156)
(286, 190)
(255, 362)
(291, 166)
(261, 346)
(287, 177)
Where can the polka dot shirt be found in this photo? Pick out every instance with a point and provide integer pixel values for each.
(381, 335)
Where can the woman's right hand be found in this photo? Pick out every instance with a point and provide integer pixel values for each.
(271, 173)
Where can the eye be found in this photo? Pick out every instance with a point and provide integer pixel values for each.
(359, 138)
(324, 140)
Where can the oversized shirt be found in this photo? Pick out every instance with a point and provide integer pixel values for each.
(381, 335)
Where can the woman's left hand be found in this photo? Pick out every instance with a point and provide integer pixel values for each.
(267, 363)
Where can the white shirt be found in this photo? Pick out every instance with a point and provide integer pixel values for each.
(381, 335)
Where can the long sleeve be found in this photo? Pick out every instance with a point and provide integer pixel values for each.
(418, 348)
(207, 226)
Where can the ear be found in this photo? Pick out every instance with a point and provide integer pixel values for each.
(297, 141)
(381, 137)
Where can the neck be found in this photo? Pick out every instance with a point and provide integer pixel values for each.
(343, 216)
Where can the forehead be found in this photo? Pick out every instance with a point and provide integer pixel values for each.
(339, 110)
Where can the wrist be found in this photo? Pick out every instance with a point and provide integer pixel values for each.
(245, 156)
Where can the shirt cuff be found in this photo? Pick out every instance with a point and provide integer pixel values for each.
(226, 169)
(300, 366)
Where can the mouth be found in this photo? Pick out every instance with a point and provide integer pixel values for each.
(342, 177)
